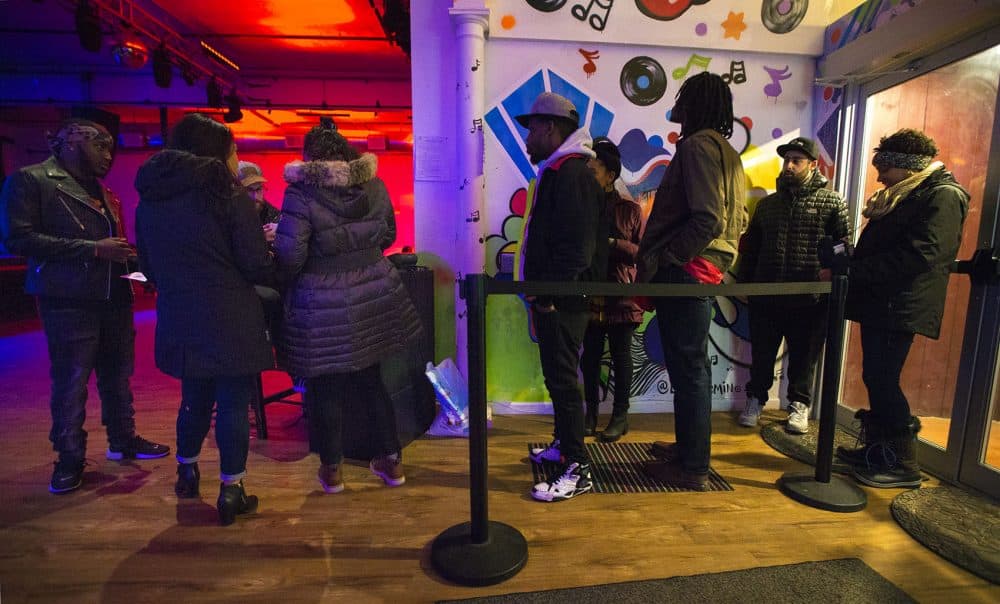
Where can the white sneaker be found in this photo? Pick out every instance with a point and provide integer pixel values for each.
(574, 481)
(550, 452)
(798, 418)
(751, 412)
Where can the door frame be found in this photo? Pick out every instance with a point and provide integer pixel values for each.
(959, 461)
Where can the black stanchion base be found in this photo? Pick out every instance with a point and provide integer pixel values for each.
(838, 495)
(456, 558)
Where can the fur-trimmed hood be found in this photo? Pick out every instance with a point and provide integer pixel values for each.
(332, 173)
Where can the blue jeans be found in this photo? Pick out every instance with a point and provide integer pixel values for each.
(883, 354)
(683, 325)
(87, 337)
(231, 396)
(560, 334)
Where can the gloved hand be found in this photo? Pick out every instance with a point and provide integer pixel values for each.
(834, 255)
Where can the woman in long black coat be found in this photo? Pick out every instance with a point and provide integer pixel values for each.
(346, 308)
(201, 244)
(897, 285)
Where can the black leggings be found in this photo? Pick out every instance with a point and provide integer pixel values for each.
(620, 344)
(324, 397)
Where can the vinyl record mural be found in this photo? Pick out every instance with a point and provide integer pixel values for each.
(643, 81)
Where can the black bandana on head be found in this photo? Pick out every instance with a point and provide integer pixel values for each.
(906, 161)
(75, 133)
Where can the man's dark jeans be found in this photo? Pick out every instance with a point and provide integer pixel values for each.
(883, 354)
(683, 324)
(803, 329)
(560, 334)
(231, 397)
(85, 337)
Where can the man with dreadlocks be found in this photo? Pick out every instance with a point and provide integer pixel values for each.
(691, 237)
(69, 226)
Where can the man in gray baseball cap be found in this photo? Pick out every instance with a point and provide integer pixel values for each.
(550, 104)
(566, 241)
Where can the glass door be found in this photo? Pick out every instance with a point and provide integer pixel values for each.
(951, 382)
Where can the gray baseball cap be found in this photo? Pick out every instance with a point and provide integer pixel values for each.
(550, 104)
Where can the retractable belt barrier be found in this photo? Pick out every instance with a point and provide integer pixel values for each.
(484, 552)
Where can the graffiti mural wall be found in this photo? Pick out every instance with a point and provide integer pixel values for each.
(625, 91)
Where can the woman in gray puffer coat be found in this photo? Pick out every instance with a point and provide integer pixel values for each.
(346, 308)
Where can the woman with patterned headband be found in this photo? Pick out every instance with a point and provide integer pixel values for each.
(898, 281)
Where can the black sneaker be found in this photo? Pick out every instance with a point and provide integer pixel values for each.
(67, 476)
(137, 447)
(575, 480)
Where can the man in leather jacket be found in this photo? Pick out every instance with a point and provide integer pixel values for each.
(69, 226)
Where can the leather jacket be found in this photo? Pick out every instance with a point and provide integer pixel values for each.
(46, 216)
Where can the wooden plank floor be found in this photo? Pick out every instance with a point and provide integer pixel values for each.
(125, 538)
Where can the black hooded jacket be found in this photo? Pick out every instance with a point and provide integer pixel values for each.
(201, 244)
(899, 271)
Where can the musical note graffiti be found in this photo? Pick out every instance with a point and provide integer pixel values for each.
(476, 66)
(777, 75)
(696, 60)
(592, 16)
(737, 73)
(590, 67)
(477, 124)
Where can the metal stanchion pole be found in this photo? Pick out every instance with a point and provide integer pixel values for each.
(822, 490)
(478, 552)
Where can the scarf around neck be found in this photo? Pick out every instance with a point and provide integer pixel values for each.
(885, 200)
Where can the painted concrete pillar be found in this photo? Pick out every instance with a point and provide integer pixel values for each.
(471, 25)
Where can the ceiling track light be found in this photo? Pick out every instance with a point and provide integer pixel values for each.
(88, 26)
(163, 71)
(234, 114)
(218, 56)
(213, 93)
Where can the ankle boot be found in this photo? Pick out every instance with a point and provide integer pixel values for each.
(869, 433)
(891, 463)
(233, 500)
(590, 420)
(617, 427)
(188, 477)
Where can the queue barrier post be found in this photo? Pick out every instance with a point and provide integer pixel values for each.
(821, 489)
(479, 552)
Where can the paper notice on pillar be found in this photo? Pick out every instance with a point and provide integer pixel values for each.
(431, 159)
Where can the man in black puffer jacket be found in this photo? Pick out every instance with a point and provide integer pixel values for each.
(780, 245)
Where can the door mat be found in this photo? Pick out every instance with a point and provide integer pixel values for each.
(802, 447)
(847, 581)
(617, 468)
(958, 526)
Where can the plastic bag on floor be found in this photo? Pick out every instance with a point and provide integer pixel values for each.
(452, 392)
